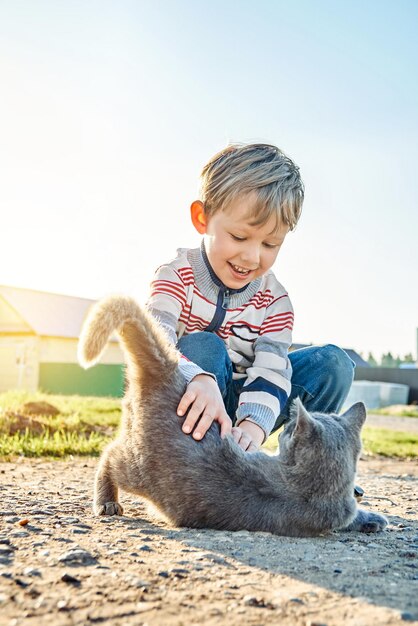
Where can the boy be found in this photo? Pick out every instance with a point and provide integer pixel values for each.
(230, 317)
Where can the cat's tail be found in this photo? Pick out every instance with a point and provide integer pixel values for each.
(147, 349)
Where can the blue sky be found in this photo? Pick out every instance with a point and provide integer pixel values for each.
(110, 109)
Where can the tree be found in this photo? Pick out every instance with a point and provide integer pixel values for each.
(371, 360)
(408, 358)
(388, 360)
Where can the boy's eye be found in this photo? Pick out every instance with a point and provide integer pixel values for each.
(236, 238)
(271, 246)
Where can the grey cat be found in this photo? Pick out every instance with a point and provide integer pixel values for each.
(304, 491)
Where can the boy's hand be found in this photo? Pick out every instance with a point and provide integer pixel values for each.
(249, 436)
(206, 406)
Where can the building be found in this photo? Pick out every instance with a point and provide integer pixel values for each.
(38, 346)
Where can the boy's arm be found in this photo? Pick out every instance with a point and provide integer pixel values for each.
(167, 303)
(202, 400)
(268, 385)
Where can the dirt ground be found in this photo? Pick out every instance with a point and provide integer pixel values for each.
(60, 565)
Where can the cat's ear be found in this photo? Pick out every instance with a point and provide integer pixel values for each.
(304, 422)
(356, 414)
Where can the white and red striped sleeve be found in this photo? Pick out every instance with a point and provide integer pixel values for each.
(167, 302)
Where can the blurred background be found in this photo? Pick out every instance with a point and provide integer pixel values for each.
(109, 110)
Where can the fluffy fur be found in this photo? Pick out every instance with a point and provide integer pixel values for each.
(304, 491)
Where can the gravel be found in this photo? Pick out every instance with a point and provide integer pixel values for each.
(65, 566)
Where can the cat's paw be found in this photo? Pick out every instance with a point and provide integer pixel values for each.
(374, 524)
(366, 522)
(108, 508)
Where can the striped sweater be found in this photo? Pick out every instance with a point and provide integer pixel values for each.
(255, 323)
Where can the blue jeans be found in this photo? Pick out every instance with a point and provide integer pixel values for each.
(321, 377)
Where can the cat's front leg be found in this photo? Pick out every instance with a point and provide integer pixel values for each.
(105, 486)
(367, 522)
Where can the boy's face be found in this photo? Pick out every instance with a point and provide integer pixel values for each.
(238, 251)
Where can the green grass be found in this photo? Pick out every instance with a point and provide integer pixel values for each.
(59, 444)
(382, 441)
(85, 424)
(394, 443)
(398, 410)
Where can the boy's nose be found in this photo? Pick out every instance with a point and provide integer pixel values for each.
(252, 256)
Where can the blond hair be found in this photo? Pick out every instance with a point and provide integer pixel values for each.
(240, 169)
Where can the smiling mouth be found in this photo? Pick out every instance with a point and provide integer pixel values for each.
(240, 270)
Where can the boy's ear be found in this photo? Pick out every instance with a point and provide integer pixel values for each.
(197, 213)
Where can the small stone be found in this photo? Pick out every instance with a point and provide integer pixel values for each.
(62, 605)
(43, 512)
(19, 533)
(88, 527)
(41, 601)
(138, 583)
(12, 520)
(79, 531)
(338, 571)
(23, 522)
(146, 548)
(250, 600)
(218, 560)
(409, 617)
(67, 578)
(32, 571)
(257, 602)
(179, 572)
(77, 556)
(163, 574)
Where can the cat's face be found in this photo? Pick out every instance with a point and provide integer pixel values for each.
(310, 439)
